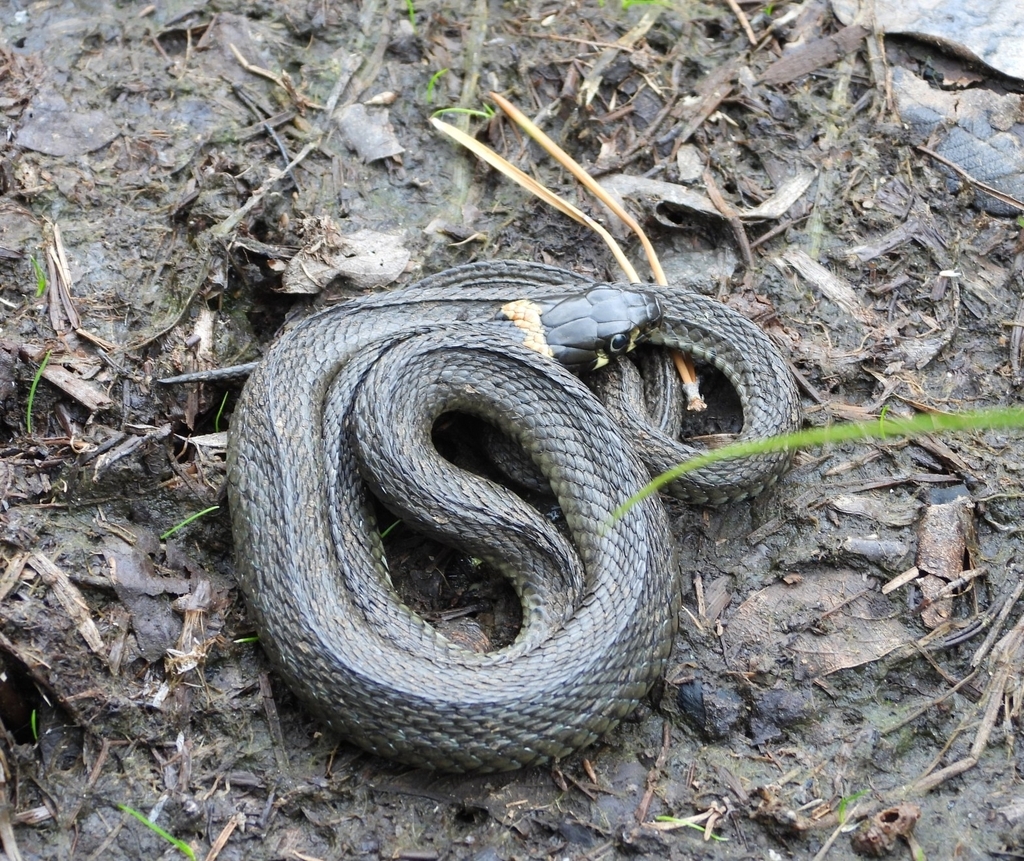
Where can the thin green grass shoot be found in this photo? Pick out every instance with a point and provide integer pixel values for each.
(885, 428)
(40, 277)
(845, 802)
(34, 724)
(187, 521)
(411, 11)
(684, 823)
(628, 4)
(32, 392)
(220, 412)
(180, 845)
(432, 83)
(485, 114)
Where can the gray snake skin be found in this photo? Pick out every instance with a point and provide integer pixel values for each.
(599, 611)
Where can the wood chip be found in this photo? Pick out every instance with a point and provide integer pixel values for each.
(70, 598)
(814, 55)
(942, 536)
(12, 574)
(834, 288)
(89, 394)
(593, 81)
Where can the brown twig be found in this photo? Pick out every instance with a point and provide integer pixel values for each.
(7, 837)
(1017, 335)
(642, 143)
(234, 822)
(730, 215)
(589, 42)
(744, 21)
(283, 81)
(652, 776)
(273, 723)
(688, 374)
(1006, 662)
(1002, 196)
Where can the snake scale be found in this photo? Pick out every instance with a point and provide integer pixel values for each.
(357, 388)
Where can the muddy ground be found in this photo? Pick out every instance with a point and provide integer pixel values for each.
(803, 699)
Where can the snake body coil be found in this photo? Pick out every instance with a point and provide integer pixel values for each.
(355, 391)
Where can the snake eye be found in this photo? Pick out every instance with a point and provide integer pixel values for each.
(618, 343)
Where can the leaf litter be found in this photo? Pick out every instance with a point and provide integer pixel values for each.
(815, 681)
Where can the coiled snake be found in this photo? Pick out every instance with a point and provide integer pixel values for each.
(358, 388)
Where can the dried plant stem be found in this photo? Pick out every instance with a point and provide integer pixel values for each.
(591, 184)
(529, 183)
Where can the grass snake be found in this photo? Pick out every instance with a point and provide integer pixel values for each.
(354, 391)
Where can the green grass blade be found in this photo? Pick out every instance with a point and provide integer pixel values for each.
(220, 412)
(844, 804)
(485, 114)
(685, 823)
(32, 392)
(432, 83)
(1000, 418)
(40, 277)
(187, 521)
(180, 845)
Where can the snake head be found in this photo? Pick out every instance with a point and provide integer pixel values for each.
(584, 331)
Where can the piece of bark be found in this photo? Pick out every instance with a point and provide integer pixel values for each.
(942, 536)
(814, 55)
(366, 258)
(369, 132)
(70, 599)
(87, 393)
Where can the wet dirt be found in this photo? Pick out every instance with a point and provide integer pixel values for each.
(802, 698)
